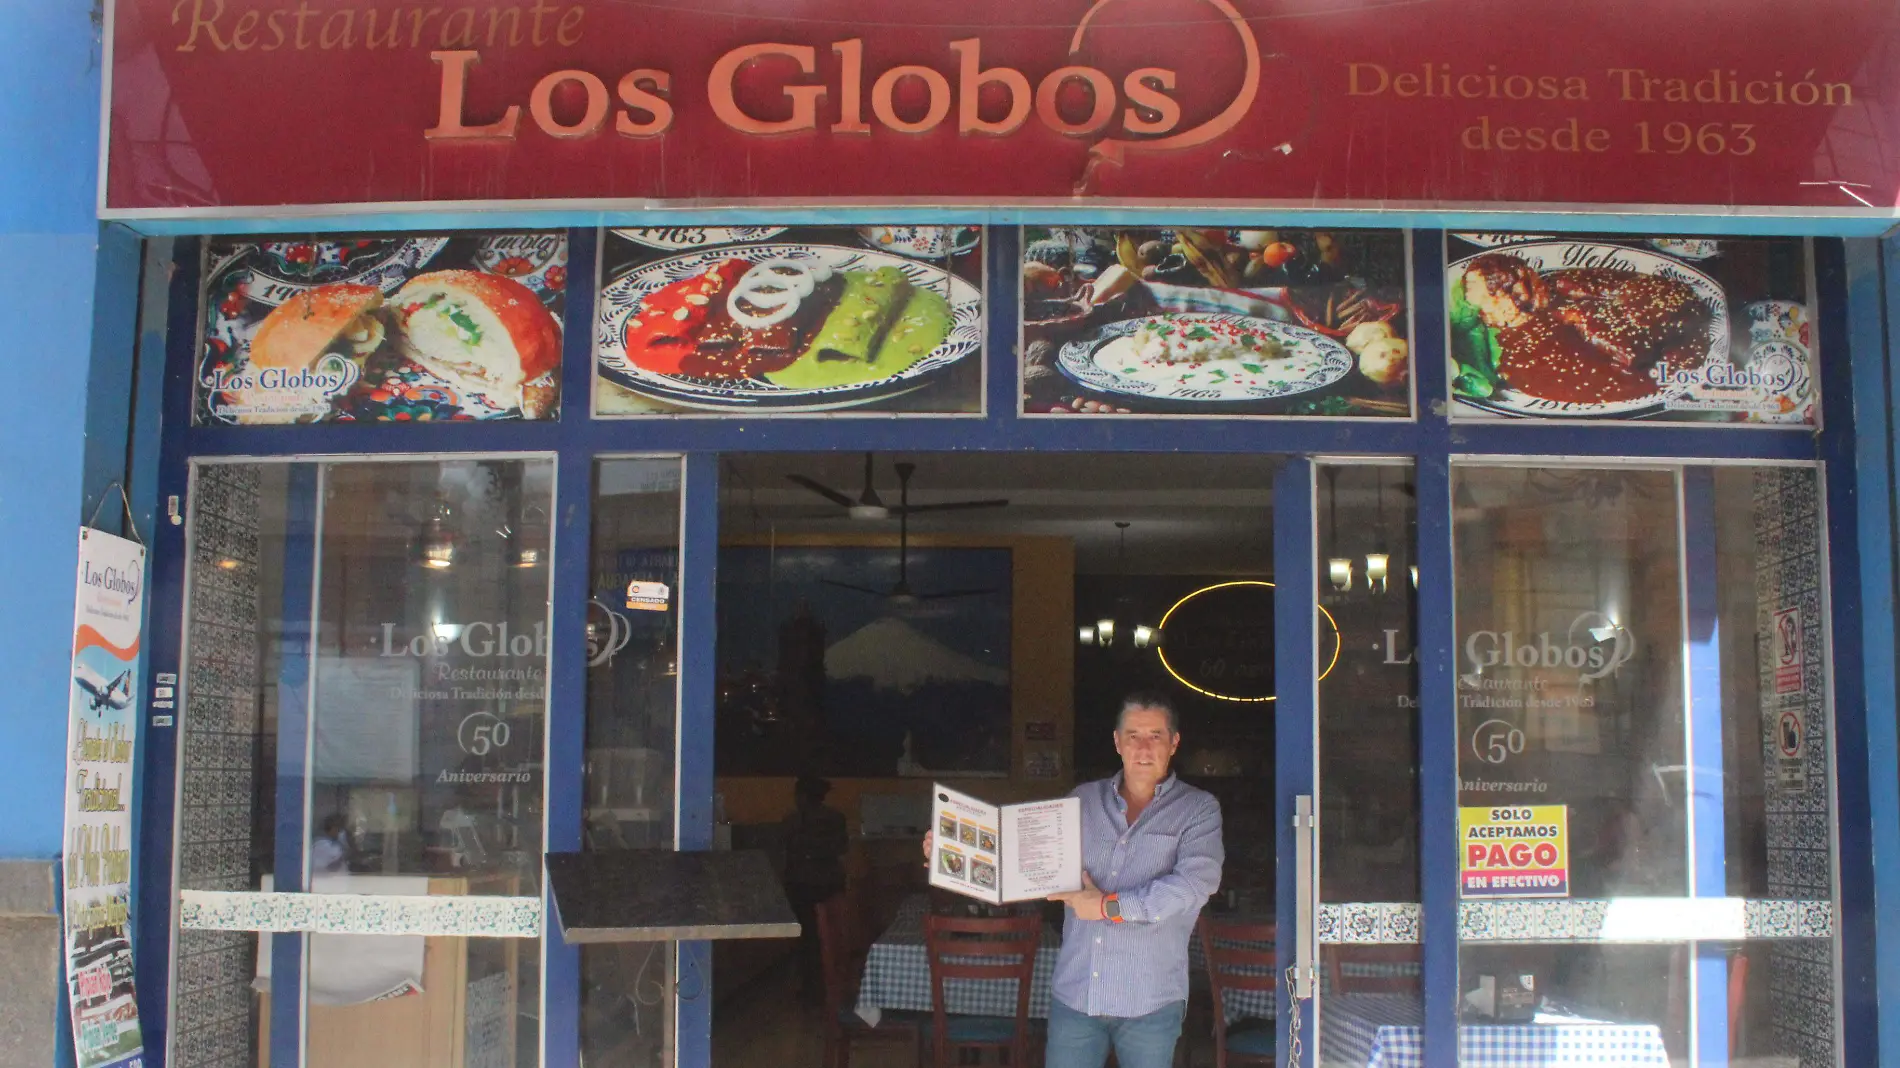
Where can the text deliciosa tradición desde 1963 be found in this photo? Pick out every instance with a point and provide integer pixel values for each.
(1714, 86)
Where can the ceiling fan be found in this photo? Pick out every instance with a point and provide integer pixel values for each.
(870, 506)
(900, 592)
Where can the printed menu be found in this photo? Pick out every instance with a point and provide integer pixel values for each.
(1001, 853)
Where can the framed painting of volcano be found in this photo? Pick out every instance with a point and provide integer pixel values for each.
(864, 662)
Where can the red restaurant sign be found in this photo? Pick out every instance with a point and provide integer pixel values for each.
(224, 105)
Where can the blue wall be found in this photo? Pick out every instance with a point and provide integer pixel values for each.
(49, 107)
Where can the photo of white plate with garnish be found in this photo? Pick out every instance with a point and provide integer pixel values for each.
(1205, 358)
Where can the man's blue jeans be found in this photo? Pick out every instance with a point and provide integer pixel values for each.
(1079, 1041)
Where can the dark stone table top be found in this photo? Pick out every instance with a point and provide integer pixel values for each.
(658, 895)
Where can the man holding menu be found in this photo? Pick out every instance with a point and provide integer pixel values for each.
(1151, 857)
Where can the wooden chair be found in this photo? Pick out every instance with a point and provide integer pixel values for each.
(964, 948)
(843, 1027)
(1737, 999)
(1339, 960)
(1239, 957)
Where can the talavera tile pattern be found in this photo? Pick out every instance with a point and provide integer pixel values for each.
(212, 1024)
(1788, 574)
(473, 917)
(1370, 923)
(1361, 923)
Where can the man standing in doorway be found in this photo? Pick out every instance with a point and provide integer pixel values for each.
(1151, 857)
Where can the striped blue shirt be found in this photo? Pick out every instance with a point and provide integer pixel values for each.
(1165, 868)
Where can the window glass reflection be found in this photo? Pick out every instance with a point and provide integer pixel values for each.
(1642, 717)
(632, 708)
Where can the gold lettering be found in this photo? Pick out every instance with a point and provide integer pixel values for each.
(539, 11)
(541, 104)
(1353, 86)
(884, 92)
(303, 15)
(388, 39)
(971, 78)
(1101, 96)
(459, 38)
(514, 24)
(243, 35)
(1624, 75)
(339, 30)
(570, 21)
(1147, 90)
(638, 99)
(200, 22)
(417, 20)
(804, 98)
(448, 123)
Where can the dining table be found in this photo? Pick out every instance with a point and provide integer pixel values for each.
(1387, 1031)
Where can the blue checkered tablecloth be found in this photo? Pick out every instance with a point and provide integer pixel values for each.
(897, 975)
(1385, 1031)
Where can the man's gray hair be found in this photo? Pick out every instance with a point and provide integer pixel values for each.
(1152, 701)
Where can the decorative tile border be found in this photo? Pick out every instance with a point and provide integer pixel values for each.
(1370, 923)
(469, 916)
(1628, 919)
(1644, 919)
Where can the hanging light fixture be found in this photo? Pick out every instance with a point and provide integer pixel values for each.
(1338, 568)
(1376, 565)
(1101, 635)
(1379, 561)
(438, 540)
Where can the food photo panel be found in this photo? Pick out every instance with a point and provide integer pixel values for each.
(1661, 329)
(1199, 321)
(775, 320)
(382, 328)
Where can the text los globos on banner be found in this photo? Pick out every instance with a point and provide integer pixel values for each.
(96, 873)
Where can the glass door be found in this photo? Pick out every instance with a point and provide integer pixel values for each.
(362, 788)
(1645, 834)
(1367, 761)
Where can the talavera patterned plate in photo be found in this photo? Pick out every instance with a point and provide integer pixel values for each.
(620, 298)
(682, 238)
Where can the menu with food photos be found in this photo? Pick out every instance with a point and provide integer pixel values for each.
(1002, 853)
(382, 328)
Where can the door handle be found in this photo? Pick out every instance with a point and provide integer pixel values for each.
(1306, 890)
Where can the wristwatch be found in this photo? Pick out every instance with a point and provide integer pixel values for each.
(1112, 908)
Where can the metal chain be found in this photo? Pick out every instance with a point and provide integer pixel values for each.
(1295, 1052)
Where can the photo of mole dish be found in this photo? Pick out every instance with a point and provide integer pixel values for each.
(1221, 322)
(799, 320)
(1664, 329)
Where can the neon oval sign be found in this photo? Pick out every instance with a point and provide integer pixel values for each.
(1161, 651)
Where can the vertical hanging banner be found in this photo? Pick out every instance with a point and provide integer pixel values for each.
(99, 735)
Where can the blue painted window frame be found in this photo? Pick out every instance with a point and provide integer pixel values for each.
(1855, 469)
